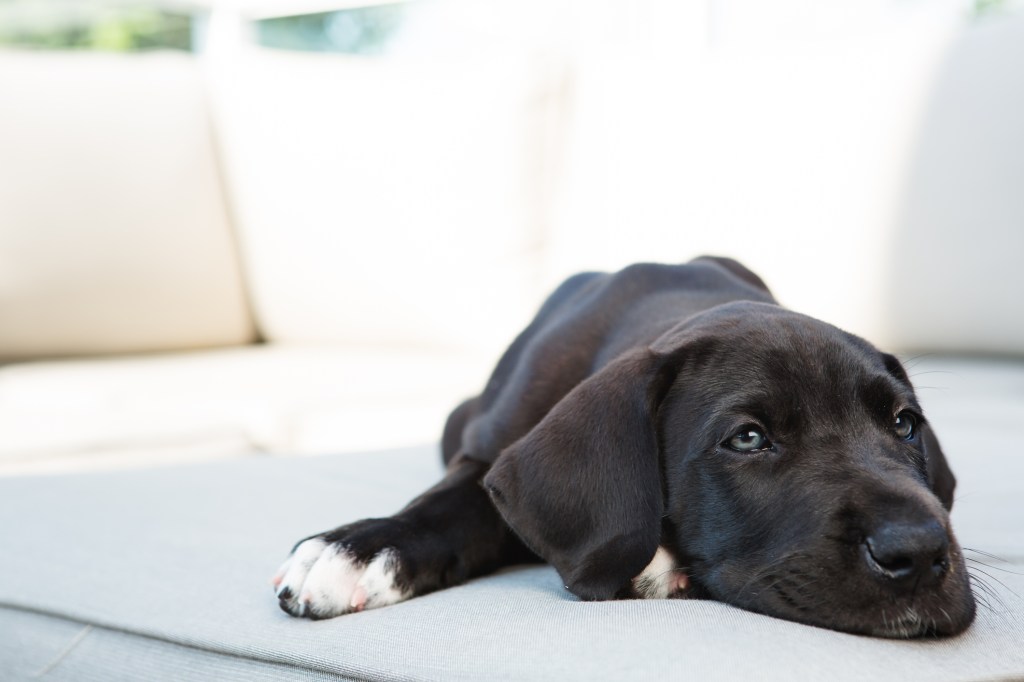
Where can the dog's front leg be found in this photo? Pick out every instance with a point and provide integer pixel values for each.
(449, 534)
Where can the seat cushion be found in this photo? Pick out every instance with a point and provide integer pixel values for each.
(178, 407)
(164, 574)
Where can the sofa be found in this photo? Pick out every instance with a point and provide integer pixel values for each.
(240, 292)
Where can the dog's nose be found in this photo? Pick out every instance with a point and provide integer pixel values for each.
(911, 554)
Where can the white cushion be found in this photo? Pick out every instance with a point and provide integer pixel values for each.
(126, 412)
(114, 234)
(389, 200)
(955, 260)
(873, 182)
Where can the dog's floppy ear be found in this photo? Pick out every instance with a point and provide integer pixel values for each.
(583, 487)
(940, 477)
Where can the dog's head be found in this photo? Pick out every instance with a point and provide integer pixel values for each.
(786, 463)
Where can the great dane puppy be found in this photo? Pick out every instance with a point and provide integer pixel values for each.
(669, 431)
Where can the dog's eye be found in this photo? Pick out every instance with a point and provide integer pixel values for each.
(904, 425)
(748, 439)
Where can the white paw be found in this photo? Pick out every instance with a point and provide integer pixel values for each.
(322, 580)
(662, 578)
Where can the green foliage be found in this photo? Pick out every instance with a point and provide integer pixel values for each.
(984, 8)
(364, 30)
(123, 30)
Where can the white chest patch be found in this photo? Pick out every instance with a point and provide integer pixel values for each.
(662, 578)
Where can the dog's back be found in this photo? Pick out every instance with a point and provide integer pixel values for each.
(588, 321)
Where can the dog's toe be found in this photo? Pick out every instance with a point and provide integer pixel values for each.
(293, 575)
(377, 586)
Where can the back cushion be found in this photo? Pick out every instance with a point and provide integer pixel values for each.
(873, 182)
(955, 274)
(114, 234)
(389, 200)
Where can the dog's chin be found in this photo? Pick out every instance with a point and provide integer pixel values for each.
(904, 621)
(857, 607)
(912, 621)
(891, 621)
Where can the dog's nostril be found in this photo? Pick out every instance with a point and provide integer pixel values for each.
(898, 566)
(908, 553)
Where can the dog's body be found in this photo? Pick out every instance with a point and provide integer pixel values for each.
(671, 431)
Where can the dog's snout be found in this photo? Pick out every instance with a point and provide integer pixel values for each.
(910, 554)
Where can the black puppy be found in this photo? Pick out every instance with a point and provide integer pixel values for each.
(671, 431)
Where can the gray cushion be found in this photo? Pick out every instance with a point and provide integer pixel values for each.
(163, 574)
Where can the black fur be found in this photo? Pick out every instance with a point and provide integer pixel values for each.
(603, 433)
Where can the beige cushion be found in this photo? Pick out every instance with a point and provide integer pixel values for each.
(873, 181)
(388, 200)
(956, 280)
(114, 234)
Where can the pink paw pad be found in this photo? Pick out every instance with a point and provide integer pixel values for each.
(358, 601)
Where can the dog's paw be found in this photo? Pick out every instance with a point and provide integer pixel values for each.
(324, 578)
(662, 578)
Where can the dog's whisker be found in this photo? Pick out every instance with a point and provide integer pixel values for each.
(983, 588)
(957, 498)
(978, 582)
(994, 568)
(931, 371)
(917, 358)
(992, 577)
(994, 599)
(980, 588)
(988, 554)
(983, 602)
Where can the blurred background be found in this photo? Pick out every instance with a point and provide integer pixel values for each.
(246, 227)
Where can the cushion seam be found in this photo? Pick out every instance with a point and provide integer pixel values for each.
(90, 626)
